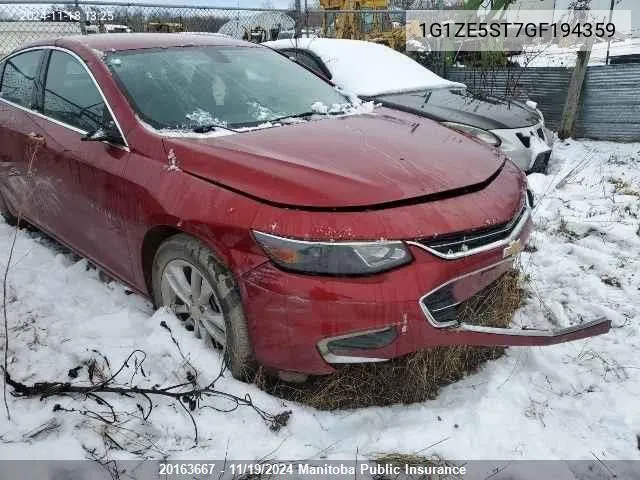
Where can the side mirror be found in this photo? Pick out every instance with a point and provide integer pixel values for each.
(95, 136)
(107, 133)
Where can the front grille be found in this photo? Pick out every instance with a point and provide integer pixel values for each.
(457, 243)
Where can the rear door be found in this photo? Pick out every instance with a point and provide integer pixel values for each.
(19, 137)
(82, 195)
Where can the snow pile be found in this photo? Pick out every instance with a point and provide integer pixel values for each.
(320, 107)
(556, 56)
(367, 68)
(576, 400)
(200, 117)
(260, 112)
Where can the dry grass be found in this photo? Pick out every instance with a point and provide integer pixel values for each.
(622, 187)
(412, 378)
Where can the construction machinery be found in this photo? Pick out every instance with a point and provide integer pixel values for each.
(362, 20)
(342, 19)
(164, 27)
(260, 34)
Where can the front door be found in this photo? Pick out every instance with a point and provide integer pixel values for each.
(82, 193)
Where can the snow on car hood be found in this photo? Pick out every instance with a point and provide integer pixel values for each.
(346, 162)
(366, 68)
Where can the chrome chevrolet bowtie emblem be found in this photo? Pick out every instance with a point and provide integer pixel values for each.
(514, 248)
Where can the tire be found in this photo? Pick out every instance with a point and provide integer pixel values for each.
(9, 217)
(181, 253)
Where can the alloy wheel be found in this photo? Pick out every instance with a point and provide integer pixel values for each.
(188, 293)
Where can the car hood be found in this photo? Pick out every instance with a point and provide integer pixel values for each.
(458, 105)
(354, 161)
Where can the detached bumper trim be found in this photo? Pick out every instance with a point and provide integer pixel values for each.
(511, 336)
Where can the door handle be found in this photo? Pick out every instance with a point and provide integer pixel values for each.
(36, 137)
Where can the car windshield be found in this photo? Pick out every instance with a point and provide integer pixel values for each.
(195, 87)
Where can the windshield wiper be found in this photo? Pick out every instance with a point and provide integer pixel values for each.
(303, 115)
(211, 127)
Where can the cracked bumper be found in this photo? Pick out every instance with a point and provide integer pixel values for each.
(524, 155)
(300, 323)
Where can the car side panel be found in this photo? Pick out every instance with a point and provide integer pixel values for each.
(169, 197)
(83, 196)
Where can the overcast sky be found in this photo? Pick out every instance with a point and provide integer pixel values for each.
(633, 5)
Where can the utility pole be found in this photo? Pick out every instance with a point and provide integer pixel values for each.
(609, 40)
(83, 18)
(441, 58)
(306, 17)
(298, 18)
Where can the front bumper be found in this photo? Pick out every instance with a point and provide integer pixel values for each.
(305, 324)
(527, 147)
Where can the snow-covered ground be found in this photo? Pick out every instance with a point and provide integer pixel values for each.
(571, 401)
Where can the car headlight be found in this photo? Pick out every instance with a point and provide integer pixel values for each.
(478, 133)
(333, 258)
(534, 106)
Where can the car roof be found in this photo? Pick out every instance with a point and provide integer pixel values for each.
(367, 68)
(137, 41)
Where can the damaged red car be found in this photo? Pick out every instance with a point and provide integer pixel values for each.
(274, 215)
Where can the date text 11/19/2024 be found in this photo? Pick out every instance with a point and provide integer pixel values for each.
(303, 469)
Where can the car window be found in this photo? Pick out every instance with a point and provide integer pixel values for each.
(308, 60)
(19, 76)
(70, 94)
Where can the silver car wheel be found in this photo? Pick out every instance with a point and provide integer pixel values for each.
(188, 293)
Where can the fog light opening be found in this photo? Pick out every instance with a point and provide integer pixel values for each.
(365, 341)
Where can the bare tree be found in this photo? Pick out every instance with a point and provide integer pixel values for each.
(580, 5)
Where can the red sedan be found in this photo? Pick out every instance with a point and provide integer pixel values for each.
(273, 216)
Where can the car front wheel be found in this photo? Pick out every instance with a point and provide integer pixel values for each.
(201, 291)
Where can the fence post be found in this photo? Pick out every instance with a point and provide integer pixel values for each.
(83, 18)
(570, 111)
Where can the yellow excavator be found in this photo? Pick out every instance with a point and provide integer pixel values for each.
(368, 25)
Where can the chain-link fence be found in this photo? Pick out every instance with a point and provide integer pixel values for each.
(24, 22)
